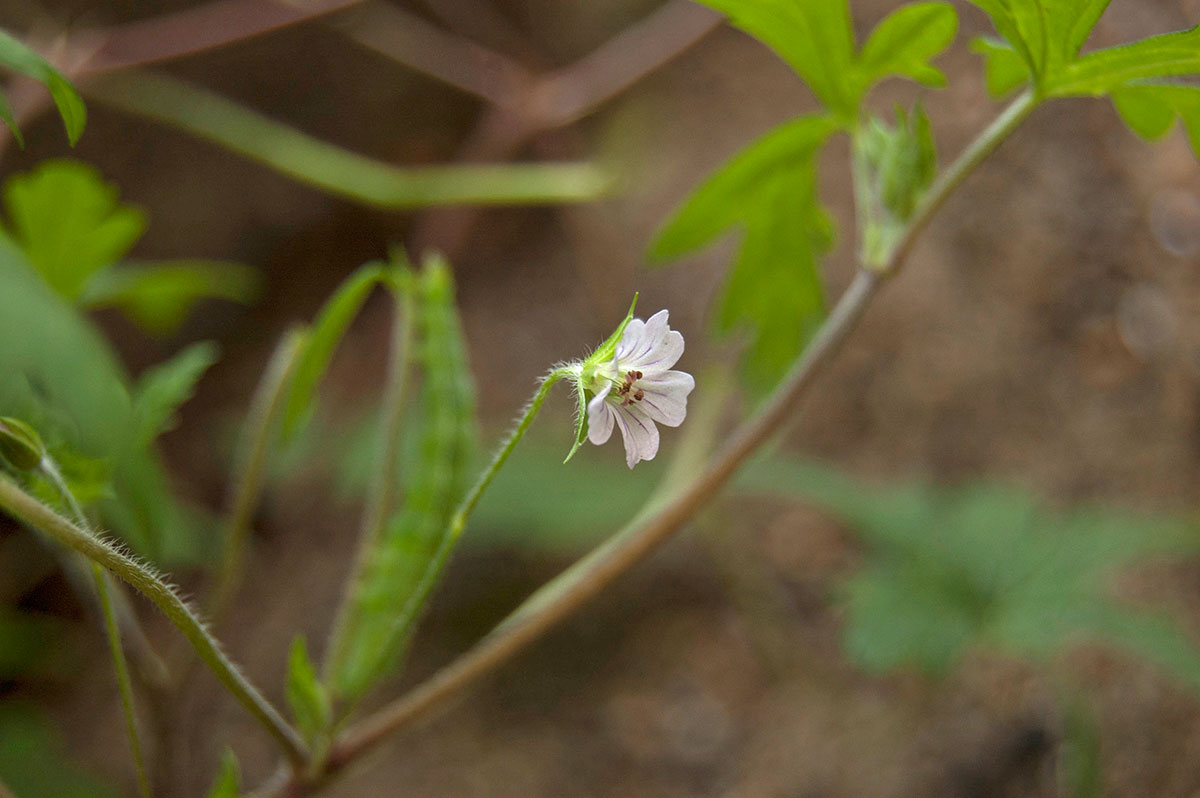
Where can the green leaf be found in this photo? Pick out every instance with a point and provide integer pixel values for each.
(163, 388)
(158, 295)
(905, 41)
(20, 58)
(1150, 110)
(59, 374)
(338, 171)
(1004, 69)
(404, 565)
(893, 166)
(1104, 71)
(331, 324)
(70, 222)
(229, 778)
(774, 290)
(305, 694)
(1046, 34)
(814, 37)
(950, 570)
(10, 120)
(1080, 751)
(34, 762)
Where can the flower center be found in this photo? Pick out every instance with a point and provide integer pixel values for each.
(628, 390)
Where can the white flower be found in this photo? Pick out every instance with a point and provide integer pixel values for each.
(637, 388)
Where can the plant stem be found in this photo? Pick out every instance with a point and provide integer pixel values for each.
(25, 508)
(382, 495)
(250, 465)
(125, 686)
(567, 593)
(112, 631)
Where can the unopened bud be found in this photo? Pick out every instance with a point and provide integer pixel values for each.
(20, 445)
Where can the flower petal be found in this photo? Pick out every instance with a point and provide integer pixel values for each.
(664, 396)
(600, 417)
(641, 337)
(639, 433)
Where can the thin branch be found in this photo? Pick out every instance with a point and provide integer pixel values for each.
(25, 508)
(571, 590)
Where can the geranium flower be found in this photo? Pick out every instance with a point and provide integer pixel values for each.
(637, 388)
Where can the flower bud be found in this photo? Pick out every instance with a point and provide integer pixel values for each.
(20, 445)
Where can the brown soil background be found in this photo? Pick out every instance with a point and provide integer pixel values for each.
(1046, 333)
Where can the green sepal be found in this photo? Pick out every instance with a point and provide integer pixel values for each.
(581, 414)
(20, 444)
(306, 696)
(607, 350)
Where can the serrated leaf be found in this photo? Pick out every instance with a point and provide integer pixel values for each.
(18, 57)
(1150, 110)
(814, 37)
(768, 191)
(229, 778)
(404, 565)
(1004, 69)
(163, 388)
(327, 331)
(70, 222)
(905, 41)
(158, 295)
(305, 694)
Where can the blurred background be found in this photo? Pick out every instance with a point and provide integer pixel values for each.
(1045, 336)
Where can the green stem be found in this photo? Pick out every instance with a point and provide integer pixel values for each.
(28, 510)
(382, 495)
(125, 686)
(588, 577)
(111, 630)
(250, 465)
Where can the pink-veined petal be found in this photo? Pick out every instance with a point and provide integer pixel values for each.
(664, 396)
(641, 338)
(600, 417)
(638, 433)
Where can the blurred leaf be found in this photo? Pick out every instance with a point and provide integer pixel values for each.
(905, 41)
(229, 778)
(70, 222)
(10, 120)
(339, 171)
(814, 37)
(305, 694)
(1004, 68)
(57, 373)
(1047, 34)
(327, 331)
(985, 566)
(159, 295)
(769, 191)
(894, 166)
(30, 645)
(1080, 751)
(1104, 71)
(34, 762)
(405, 563)
(1150, 110)
(163, 388)
(20, 58)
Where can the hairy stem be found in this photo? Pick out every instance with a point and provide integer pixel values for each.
(27, 509)
(567, 593)
(382, 496)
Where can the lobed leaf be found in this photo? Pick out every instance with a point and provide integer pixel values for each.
(405, 563)
(768, 191)
(1151, 110)
(905, 41)
(1004, 69)
(814, 37)
(70, 223)
(1104, 71)
(19, 57)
